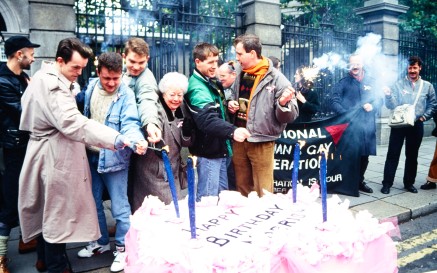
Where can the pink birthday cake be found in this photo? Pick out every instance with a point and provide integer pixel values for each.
(267, 234)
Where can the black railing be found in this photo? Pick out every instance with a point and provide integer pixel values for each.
(414, 44)
(171, 28)
(301, 45)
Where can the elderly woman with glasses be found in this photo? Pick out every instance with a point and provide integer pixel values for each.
(148, 171)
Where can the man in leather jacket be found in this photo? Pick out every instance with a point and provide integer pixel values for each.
(13, 81)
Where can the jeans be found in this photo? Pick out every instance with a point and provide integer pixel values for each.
(13, 159)
(413, 138)
(116, 184)
(212, 176)
(253, 163)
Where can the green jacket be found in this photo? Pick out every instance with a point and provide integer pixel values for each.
(212, 133)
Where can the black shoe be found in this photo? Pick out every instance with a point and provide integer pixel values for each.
(428, 186)
(385, 189)
(411, 188)
(363, 187)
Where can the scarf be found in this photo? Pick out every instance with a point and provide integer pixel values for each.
(259, 71)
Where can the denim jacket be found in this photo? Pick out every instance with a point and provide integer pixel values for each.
(122, 116)
(403, 93)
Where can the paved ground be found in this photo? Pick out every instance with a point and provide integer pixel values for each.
(399, 203)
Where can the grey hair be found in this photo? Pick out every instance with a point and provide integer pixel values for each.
(173, 79)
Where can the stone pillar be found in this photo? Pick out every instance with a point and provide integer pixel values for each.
(263, 18)
(50, 21)
(381, 17)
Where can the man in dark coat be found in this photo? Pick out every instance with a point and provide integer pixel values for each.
(13, 81)
(353, 91)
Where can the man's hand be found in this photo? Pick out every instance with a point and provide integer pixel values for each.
(241, 134)
(368, 107)
(300, 97)
(154, 133)
(386, 90)
(286, 96)
(141, 147)
(233, 106)
(120, 142)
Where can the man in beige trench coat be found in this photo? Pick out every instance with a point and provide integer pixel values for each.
(55, 197)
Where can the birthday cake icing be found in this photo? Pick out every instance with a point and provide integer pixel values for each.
(268, 234)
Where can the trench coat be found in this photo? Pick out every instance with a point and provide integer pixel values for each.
(150, 177)
(55, 196)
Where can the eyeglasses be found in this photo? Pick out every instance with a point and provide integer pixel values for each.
(231, 65)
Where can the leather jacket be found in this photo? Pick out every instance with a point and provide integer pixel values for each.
(12, 87)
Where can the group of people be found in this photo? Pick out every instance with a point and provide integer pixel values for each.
(60, 160)
(359, 90)
(67, 158)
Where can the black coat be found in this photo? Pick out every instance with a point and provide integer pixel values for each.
(12, 88)
(349, 94)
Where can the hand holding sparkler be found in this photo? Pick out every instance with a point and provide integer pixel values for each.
(368, 107)
(300, 97)
(386, 90)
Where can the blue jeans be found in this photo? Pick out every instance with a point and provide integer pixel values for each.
(116, 184)
(212, 176)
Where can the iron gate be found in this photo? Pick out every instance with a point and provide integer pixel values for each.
(171, 28)
(301, 44)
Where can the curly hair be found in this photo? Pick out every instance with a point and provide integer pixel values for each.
(111, 60)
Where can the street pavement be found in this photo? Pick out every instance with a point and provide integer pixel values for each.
(399, 203)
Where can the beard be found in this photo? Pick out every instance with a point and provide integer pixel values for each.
(25, 66)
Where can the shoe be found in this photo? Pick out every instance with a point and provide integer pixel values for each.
(411, 188)
(40, 265)
(363, 187)
(428, 186)
(120, 260)
(93, 249)
(24, 248)
(385, 189)
(4, 264)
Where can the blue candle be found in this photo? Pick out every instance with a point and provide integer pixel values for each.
(191, 197)
(323, 185)
(296, 159)
(171, 183)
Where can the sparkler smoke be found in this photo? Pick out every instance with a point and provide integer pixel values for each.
(329, 61)
(382, 68)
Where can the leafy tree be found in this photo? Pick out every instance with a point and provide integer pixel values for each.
(421, 17)
(339, 13)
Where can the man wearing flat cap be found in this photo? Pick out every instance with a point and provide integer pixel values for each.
(13, 81)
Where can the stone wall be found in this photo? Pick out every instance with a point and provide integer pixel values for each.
(45, 22)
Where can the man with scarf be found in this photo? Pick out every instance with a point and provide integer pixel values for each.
(266, 104)
(357, 90)
(212, 133)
